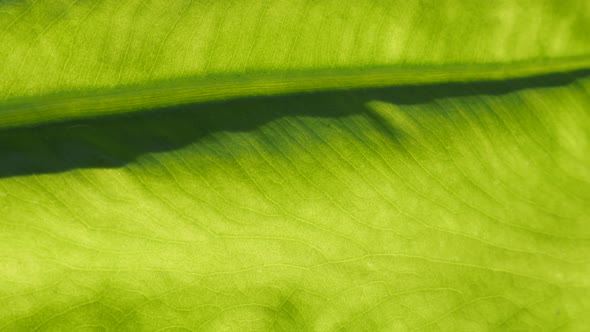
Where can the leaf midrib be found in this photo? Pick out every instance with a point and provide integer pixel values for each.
(80, 104)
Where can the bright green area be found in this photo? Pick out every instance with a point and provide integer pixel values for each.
(441, 207)
(434, 176)
(74, 59)
(57, 45)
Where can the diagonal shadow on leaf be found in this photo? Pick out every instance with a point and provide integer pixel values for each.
(117, 140)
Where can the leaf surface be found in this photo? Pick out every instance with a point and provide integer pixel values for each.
(366, 165)
(72, 59)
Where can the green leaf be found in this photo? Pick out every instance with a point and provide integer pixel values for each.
(294, 165)
(72, 59)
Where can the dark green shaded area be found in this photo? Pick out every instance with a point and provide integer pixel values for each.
(117, 140)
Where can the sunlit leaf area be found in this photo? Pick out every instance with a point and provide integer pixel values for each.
(294, 165)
